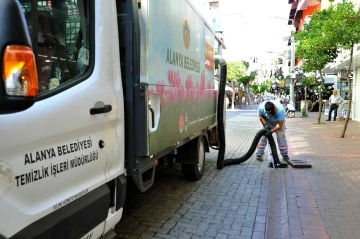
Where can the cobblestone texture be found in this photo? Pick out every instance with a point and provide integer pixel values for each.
(253, 201)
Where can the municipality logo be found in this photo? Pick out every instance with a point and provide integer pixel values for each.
(186, 34)
(6, 179)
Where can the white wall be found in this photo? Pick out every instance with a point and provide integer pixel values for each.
(356, 96)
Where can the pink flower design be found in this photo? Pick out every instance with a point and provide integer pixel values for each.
(177, 92)
(189, 82)
(181, 93)
(202, 81)
(151, 92)
(177, 79)
(160, 87)
(189, 85)
(174, 78)
(171, 76)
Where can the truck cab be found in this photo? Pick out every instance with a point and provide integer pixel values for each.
(62, 151)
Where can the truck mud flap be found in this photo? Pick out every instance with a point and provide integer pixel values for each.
(73, 220)
(120, 191)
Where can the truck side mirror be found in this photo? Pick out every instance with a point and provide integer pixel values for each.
(19, 82)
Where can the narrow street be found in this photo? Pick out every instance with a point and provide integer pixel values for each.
(103, 100)
(223, 204)
(252, 200)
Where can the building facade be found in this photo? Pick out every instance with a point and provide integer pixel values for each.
(300, 13)
(340, 66)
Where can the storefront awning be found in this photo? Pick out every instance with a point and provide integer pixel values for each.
(327, 69)
(329, 80)
(344, 64)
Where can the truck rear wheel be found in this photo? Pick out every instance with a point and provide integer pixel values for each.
(195, 171)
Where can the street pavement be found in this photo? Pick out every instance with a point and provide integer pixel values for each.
(251, 200)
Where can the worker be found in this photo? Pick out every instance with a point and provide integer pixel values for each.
(272, 117)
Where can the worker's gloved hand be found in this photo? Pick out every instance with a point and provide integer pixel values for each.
(267, 127)
(268, 133)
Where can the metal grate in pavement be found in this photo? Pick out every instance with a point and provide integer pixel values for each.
(298, 163)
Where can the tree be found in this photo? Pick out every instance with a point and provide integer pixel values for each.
(235, 71)
(268, 84)
(316, 46)
(307, 82)
(247, 79)
(256, 89)
(345, 31)
(246, 64)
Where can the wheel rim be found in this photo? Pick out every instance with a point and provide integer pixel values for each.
(310, 105)
(201, 156)
(291, 114)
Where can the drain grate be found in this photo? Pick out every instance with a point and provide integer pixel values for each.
(298, 163)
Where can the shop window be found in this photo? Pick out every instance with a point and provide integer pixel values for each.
(60, 40)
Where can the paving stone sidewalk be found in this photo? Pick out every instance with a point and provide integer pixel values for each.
(323, 202)
(252, 200)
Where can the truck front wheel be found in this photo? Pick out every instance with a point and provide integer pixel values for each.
(195, 171)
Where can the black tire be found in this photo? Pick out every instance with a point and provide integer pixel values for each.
(195, 171)
(291, 114)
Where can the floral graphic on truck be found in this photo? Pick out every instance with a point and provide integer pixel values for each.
(179, 71)
(177, 91)
(188, 104)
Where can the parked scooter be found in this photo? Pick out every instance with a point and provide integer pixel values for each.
(289, 110)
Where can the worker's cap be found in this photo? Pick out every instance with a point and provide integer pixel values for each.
(269, 107)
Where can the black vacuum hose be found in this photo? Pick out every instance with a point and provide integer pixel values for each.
(221, 112)
(252, 149)
(221, 161)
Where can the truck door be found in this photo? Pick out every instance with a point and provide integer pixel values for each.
(64, 147)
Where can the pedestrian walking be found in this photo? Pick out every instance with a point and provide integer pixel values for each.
(272, 114)
(334, 101)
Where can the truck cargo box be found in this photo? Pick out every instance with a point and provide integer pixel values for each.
(177, 64)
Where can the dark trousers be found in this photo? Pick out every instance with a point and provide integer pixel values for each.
(333, 107)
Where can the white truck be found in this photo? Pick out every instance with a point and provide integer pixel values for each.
(94, 93)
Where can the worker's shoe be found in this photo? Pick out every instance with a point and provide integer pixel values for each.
(285, 157)
(328, 120)
(259, 158)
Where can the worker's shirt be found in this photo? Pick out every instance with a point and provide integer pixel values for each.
(335, 99)
(272, 119)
